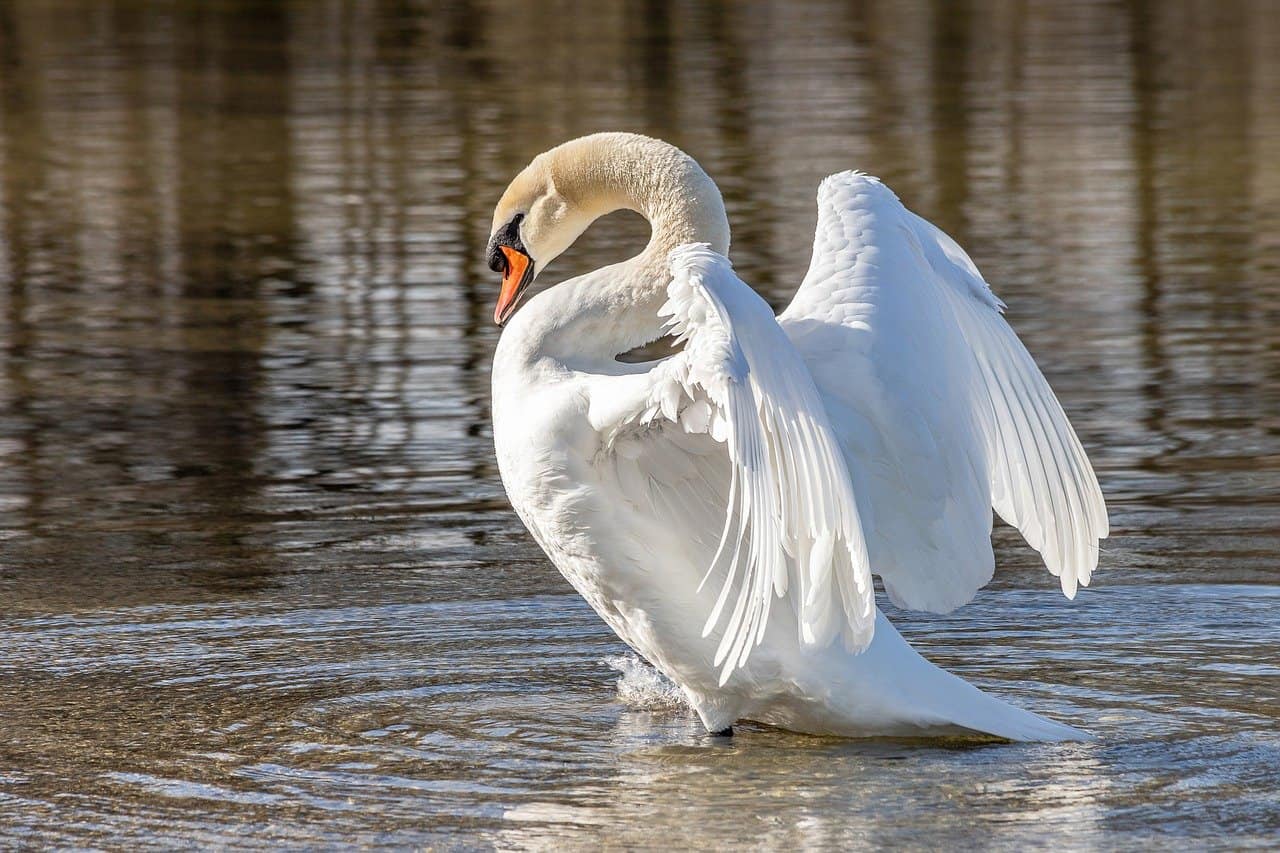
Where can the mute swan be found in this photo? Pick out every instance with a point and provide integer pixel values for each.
(724, 509)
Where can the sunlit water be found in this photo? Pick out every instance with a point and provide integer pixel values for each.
(258, 579)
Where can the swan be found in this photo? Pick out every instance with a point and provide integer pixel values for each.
(724, 509)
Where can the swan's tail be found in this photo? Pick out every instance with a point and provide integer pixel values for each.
(980, 712)
(938, 699)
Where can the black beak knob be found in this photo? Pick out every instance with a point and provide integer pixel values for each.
(508, 235)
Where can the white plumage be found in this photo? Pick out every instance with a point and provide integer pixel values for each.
(724, 509)
(791, 520)
(948, 414)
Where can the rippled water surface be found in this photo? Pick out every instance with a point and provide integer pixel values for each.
(258, 579)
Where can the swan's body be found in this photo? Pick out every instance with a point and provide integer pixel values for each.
(723, 510)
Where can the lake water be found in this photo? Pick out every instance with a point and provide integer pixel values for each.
(259, 583)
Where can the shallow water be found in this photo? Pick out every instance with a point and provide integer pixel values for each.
(258, 579)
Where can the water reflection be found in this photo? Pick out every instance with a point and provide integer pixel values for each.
(246, 337)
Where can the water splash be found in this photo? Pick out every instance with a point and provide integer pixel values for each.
(642, 687)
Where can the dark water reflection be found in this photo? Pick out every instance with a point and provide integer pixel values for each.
(258, 581)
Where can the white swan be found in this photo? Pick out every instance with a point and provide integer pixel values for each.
(724, 509)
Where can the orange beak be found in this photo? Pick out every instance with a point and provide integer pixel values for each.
(518, 274)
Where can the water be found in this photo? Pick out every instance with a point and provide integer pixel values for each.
(258, 580)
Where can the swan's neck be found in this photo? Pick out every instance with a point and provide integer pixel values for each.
(588, 320)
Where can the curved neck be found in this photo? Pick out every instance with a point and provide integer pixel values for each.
(611, 310)
(620, 171)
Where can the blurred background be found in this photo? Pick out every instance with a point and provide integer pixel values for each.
(249, 512)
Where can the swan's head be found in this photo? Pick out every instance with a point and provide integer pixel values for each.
(533, 223)
(559, 194)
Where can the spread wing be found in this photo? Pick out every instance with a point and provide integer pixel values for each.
(788, 525)
(942, 413)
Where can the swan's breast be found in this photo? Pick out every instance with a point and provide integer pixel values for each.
(544, 444)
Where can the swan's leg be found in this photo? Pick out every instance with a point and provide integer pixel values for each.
(717, 713)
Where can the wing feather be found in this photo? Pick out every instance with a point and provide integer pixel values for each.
(942, 412)
(739, 379)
